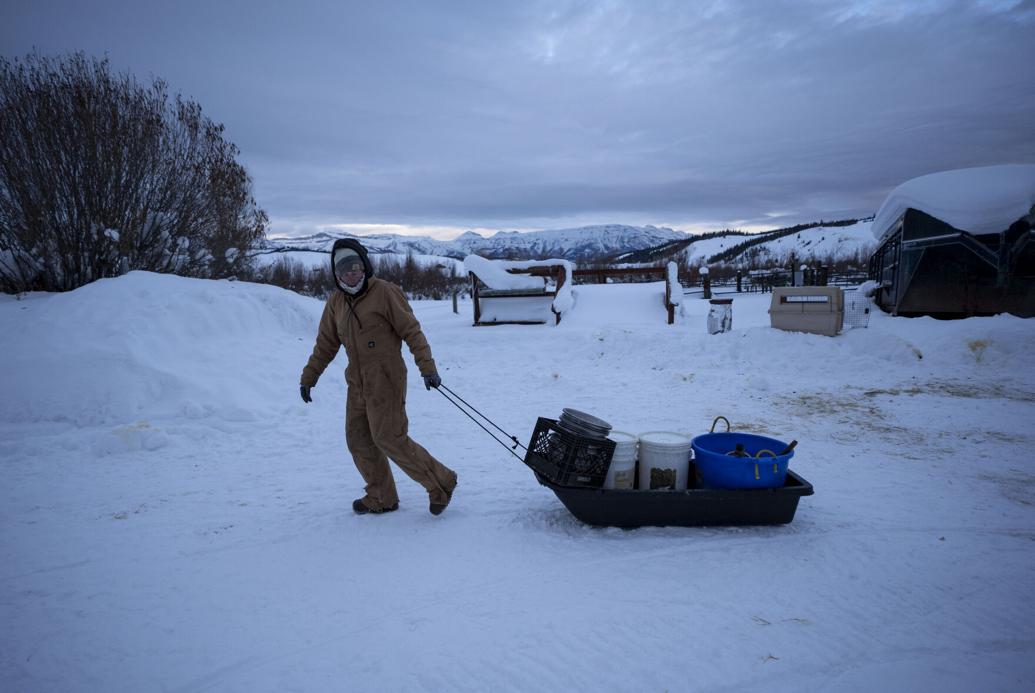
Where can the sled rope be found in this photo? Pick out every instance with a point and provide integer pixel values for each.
(456, 403)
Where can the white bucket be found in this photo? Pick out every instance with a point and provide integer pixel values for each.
(664, 460)
(622, 472)
(720, 315)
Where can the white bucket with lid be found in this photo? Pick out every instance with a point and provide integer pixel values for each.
(622, 472)
(664, 460)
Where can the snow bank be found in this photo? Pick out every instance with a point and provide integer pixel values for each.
(978, 200)
(629, 307)
(151, 347)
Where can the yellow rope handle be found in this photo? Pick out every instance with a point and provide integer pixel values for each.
(728, 427)
(776, 466)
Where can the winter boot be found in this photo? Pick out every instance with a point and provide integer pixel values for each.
(437, 508)
(360, 508)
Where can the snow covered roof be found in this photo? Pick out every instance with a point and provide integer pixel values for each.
(978, 200)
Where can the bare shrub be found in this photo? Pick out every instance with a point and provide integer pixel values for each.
(420, 280)
(100, 175)
(417, 280)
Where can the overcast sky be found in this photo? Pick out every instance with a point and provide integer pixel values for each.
(437, 117)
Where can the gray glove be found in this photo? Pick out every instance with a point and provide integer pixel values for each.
(431, 380)
(305, 393)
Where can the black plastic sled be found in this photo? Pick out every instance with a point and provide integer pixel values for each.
(574, 468)
(696, 507)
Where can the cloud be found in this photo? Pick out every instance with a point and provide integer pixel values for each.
(509, 115)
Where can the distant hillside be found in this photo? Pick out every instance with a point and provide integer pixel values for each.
(581, 244)
(731, 255)
(842, 239)
(665, 251)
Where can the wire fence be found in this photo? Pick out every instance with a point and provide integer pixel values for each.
(857, 309)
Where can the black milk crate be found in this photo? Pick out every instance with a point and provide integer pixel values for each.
(567, 459)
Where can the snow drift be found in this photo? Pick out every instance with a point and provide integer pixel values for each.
(150, 347)
(173, 517)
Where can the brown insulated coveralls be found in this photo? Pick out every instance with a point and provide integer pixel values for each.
(371, 327)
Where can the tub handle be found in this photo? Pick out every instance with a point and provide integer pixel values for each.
(728, 427)
(758, 455)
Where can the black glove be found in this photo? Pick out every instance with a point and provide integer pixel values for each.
(305, 393)
(431, 380)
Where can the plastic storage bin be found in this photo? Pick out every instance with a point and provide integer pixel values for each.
(717, 469)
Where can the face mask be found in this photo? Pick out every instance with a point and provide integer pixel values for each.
(352, 289)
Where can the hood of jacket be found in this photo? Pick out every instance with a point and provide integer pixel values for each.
(368, 268)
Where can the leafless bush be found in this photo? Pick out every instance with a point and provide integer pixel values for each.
(417, 280)
(291, 274)
(100, 175)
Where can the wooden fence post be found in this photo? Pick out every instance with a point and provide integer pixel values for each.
(668, 302)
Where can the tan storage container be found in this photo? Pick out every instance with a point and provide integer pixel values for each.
(816, 309)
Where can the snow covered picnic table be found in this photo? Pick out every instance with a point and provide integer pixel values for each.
(522, 287)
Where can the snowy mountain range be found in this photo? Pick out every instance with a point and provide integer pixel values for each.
(616, 243)
(582, 243)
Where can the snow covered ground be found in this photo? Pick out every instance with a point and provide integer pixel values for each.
(174, 518)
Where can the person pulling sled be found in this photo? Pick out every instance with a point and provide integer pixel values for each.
(371, 318)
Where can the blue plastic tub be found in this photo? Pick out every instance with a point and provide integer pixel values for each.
(717, 469)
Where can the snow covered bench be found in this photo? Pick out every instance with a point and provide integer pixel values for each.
(672, 297)
(532, 292)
